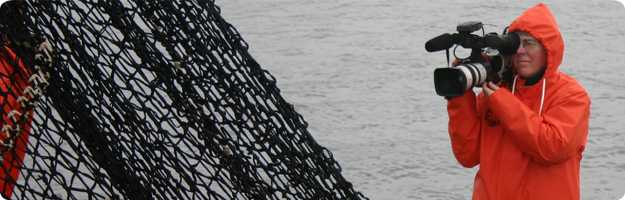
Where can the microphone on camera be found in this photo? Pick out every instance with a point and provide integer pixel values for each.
(441, 42)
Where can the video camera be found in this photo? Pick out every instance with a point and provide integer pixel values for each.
(486, 62)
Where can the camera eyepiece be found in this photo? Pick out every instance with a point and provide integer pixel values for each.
(507, 44)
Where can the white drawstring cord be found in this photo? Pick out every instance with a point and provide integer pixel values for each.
(542, 95)
(514, 84)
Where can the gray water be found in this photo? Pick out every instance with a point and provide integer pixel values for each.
(358, 73)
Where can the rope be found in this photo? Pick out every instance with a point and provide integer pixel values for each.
(161, 100)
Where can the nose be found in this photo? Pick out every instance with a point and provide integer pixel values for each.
(521, 49)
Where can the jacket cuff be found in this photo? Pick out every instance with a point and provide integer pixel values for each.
(467, 97)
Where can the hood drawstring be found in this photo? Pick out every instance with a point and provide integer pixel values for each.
(542, 94)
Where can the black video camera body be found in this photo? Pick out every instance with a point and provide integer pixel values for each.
(486, 62)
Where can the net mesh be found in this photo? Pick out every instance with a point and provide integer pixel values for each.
(141, 99)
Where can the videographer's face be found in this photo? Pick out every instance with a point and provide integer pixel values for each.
(530, 58)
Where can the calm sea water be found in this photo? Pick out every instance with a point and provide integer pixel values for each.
(358, 73)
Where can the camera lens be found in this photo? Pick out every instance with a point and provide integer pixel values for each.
(455, 81)
(449, 82)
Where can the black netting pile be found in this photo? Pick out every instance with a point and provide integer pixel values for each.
(150, 100)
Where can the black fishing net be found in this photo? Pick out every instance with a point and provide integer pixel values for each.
(138, 99)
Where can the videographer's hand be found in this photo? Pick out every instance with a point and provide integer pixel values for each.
(489, 88)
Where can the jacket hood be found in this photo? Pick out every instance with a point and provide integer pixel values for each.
(541, 24)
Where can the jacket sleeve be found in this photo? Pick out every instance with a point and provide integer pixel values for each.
(464, 129)
(555, 136)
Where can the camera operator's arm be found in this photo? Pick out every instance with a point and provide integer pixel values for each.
(464, 129)
(555, 136)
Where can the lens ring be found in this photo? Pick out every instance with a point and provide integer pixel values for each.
(483, 73)
(475, 72)
(468, 74)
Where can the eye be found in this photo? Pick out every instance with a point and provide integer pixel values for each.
(530, 43)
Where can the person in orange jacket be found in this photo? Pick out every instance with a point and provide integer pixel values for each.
(527, 136)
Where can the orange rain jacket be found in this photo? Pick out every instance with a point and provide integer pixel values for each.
(528, 141)
(13, 80)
